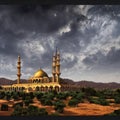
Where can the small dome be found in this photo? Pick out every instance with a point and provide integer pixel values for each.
(40, 73)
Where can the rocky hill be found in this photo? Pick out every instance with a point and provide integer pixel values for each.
(4, 81)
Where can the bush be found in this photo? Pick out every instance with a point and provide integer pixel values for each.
(31, 95)
(103, 101)
(2, 95)
(33, 110)
(39, 95)
(28, 100)
(59, 106)
(15, 96)
(90, 91)
(117, 99)
(80, 96)
(49, 96)
(73, 94)
(19, 104)
(7, 96)
(100, 100)
(30, 111)
(46, 102)
(115, 113)
(19, 111)
(4, 107)
(73, 102)
(93, 100)
(62, 96)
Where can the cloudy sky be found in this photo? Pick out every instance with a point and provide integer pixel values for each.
(88, 37)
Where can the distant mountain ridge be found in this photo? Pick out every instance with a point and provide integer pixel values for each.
(5, 81)
(83, 83)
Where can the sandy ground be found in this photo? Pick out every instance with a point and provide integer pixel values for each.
(83, 109)
(87, 109)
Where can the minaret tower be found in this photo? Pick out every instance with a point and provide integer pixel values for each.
(57, 66)
(53, 68)
(19, 69)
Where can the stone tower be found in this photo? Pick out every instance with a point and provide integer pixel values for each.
(53, 68)
(19, 69)
(56, 67)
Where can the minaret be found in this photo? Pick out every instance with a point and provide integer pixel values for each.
(53, 68)
(19, 70)
(57, 66)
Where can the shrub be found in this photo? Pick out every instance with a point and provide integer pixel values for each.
(4, 107)
(39, 95)
(100, 100)
(15, 96)
(28, 100)
(30, 111)
(117, 99)
(2, 95)
(73, 102)
(103, 101)
(7, 96)
(62, 96)
(93, 100)
(115, 113)
(59, 106)
(80, 96)
(90, 91)
(31, 95)
(19, 111)
(46, 101)
(19, 104)
(49, 96)
(33, 110)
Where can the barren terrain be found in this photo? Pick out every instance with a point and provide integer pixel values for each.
(83, 109)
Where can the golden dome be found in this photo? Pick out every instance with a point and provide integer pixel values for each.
(40, 73)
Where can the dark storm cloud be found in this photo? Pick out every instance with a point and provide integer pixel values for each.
(112, 57)
(68, 63)
(18, 21)
(112, 10)
(33, 31)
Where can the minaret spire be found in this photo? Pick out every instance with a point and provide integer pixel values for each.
(19, 69)
(56, 51)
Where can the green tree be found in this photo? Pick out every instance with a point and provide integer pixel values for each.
(18, 104)
(4, 107)
(2, 94)
(59, 106)
(117, 99)
(39, 95)
(28, 100)
(15, 96)
(7, 96)
(46, 101)
(30, 111)
(35, 111)
(73, 102)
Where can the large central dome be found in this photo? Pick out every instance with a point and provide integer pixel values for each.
(40, 73)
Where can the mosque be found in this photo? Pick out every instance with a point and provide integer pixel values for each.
(40, 81)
